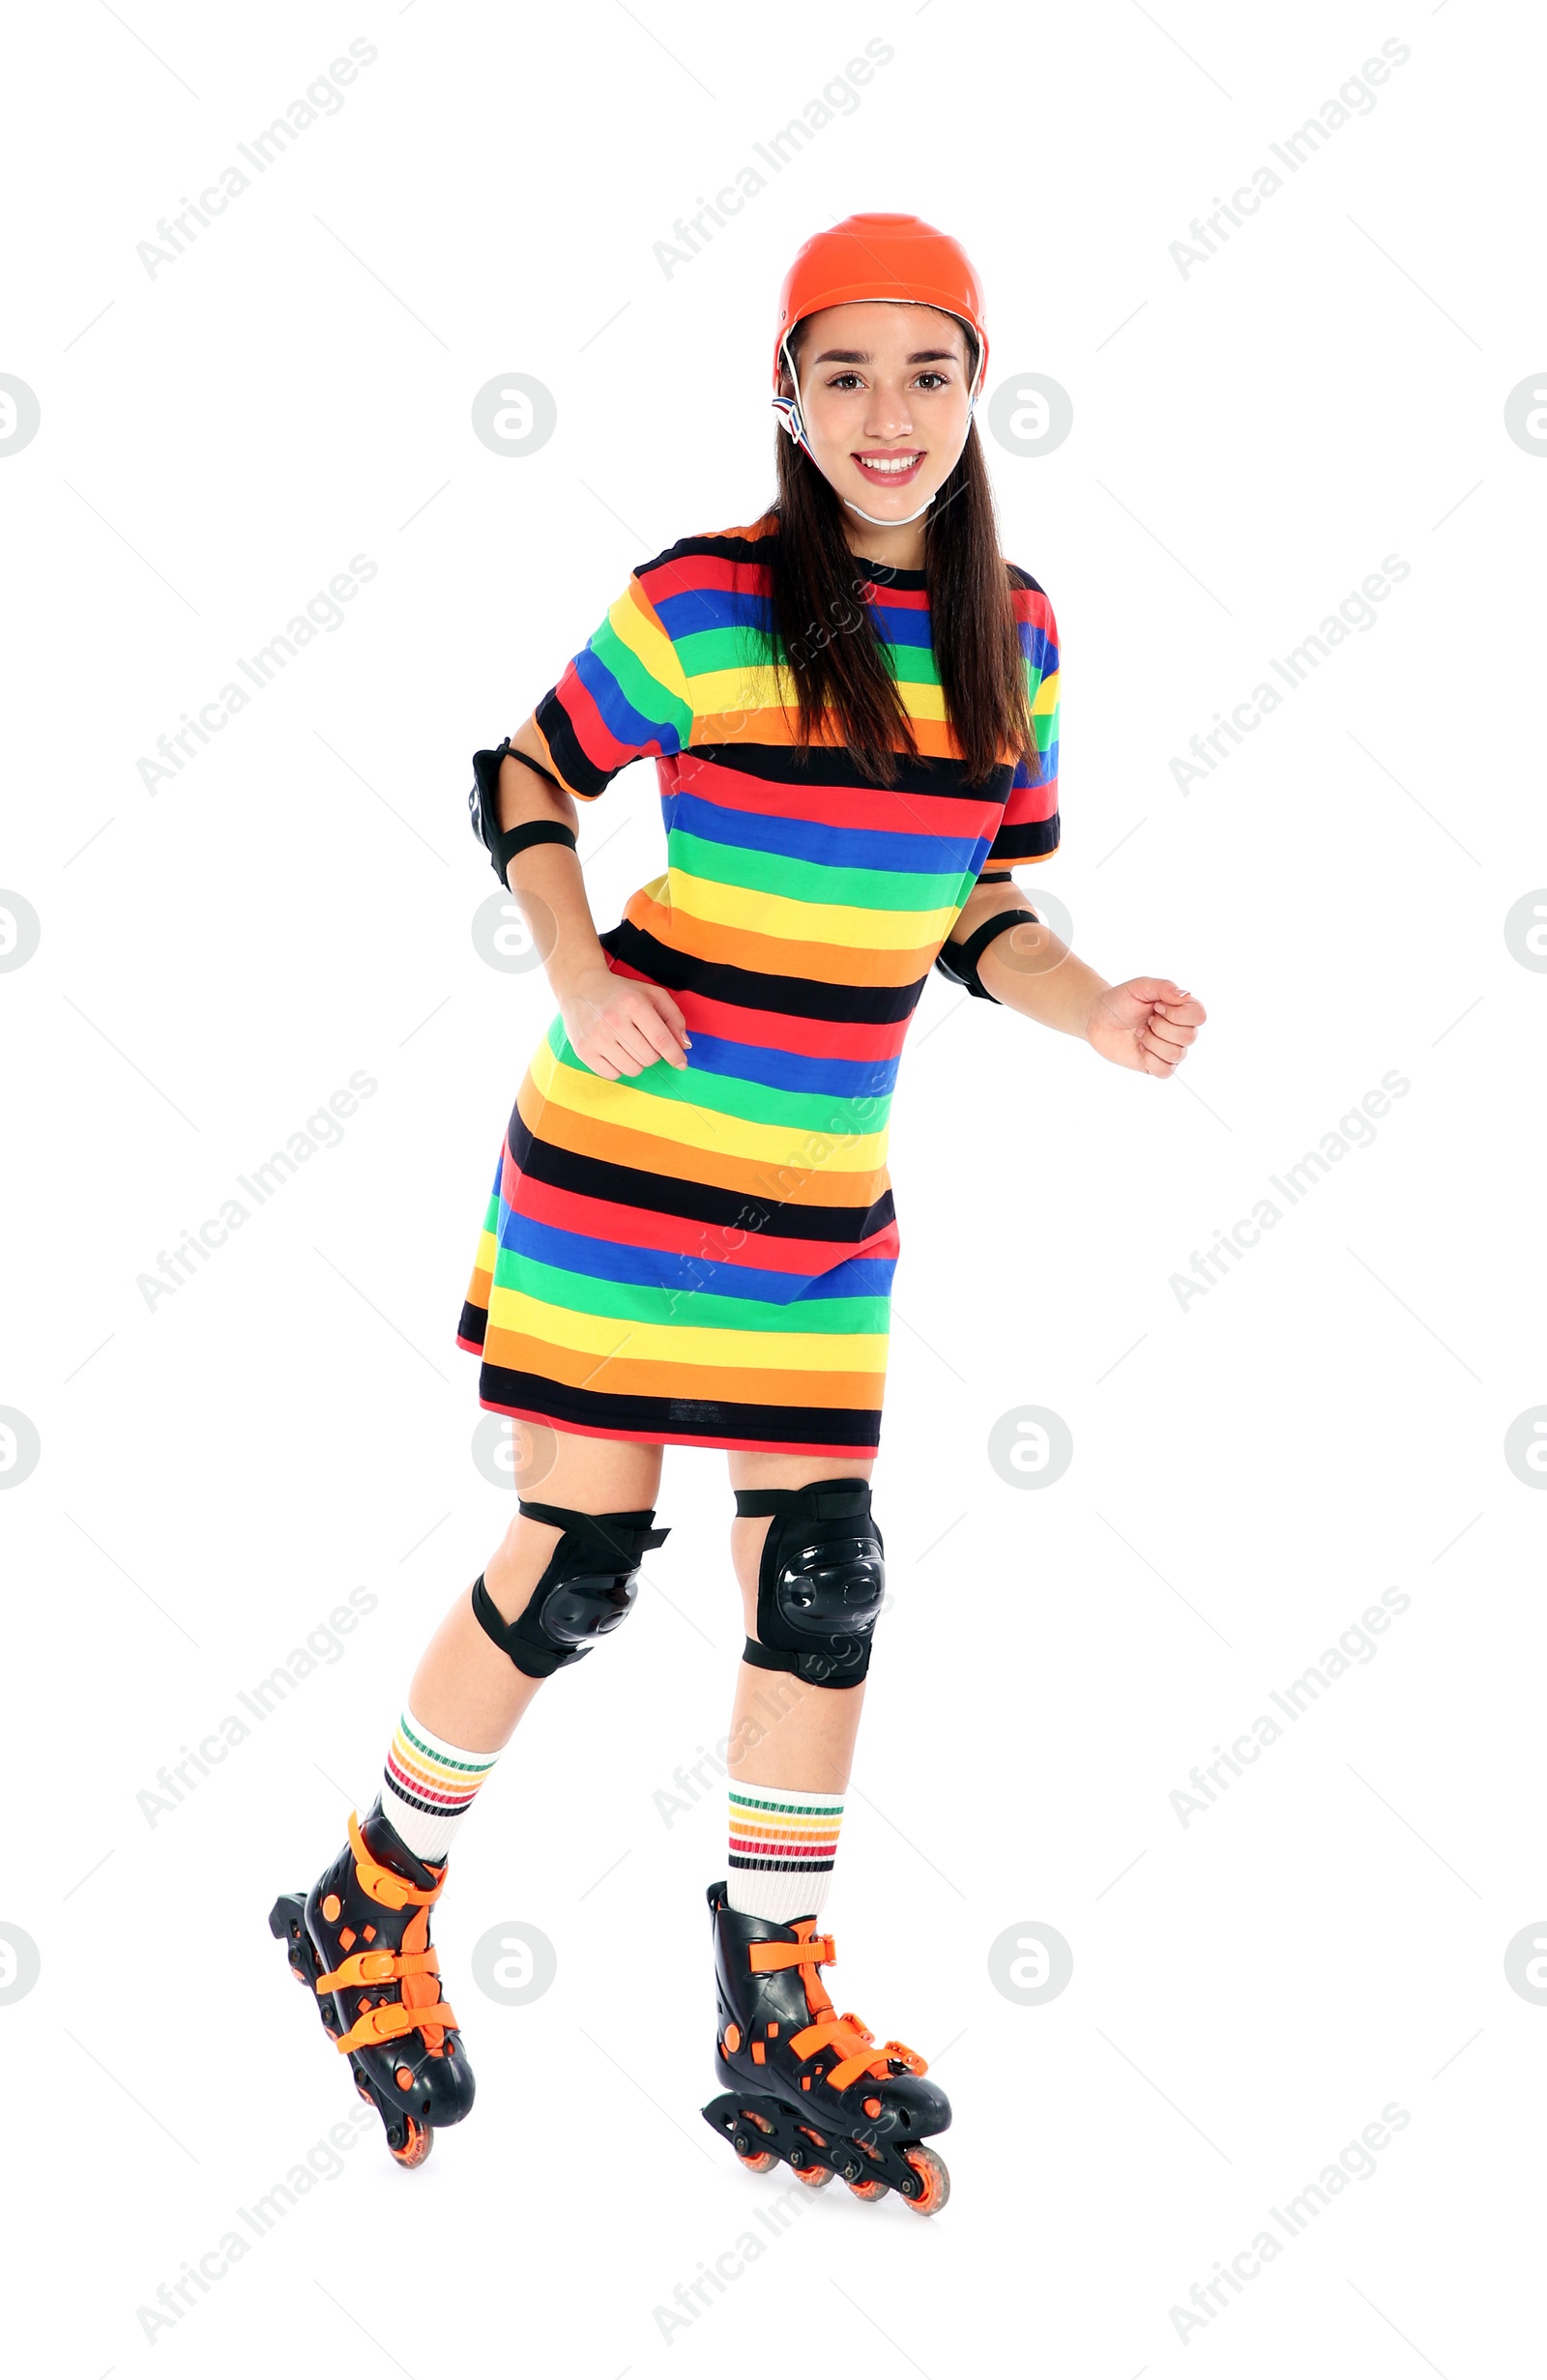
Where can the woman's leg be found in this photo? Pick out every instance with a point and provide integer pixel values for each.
(803, 2083)
(791, 1743)
(360, 1938)
(465, 1689)
(783, 1731)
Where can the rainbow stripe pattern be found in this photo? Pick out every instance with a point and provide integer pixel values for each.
(704, 1257)
(777, 1833)
(429, 1775)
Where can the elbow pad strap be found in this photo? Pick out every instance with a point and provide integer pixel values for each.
(502, 843)
(962, 967)
(514, 839)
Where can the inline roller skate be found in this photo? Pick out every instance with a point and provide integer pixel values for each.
(807, 2086)
(360, 1941)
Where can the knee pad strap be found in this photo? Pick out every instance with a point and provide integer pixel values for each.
(821, 1581)
(586, 1592)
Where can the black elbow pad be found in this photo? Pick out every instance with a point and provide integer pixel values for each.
(960, 967)
(502, 843)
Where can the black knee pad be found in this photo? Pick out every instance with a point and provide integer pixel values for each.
(586, 1592)
(821, 1583)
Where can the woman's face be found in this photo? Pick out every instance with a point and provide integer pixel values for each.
(884, 392)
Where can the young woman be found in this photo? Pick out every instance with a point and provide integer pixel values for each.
(853, 706)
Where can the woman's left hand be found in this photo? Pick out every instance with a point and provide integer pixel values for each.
(1148, 1023)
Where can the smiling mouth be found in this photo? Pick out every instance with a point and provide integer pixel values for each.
(892, 470)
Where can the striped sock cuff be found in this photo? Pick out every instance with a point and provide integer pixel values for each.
(783, 1841)
(429, 1786)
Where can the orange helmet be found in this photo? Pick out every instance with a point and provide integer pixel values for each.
(895, 257)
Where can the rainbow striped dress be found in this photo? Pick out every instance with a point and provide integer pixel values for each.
(704, 1257)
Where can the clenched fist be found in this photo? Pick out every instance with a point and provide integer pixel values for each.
(1147, 1022)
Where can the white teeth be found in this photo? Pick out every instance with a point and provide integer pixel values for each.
(874, 462)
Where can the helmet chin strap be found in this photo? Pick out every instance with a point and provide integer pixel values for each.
(788, 409)
(876, 522)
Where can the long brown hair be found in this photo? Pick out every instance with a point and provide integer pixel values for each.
(827, 643)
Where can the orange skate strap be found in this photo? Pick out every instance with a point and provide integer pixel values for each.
(379, 1966)
(858, 2052)
(382, 2025)
(817, 1950)
(384, 1884)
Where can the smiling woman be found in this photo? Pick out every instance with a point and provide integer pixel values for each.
(882, 408)
(851, 702)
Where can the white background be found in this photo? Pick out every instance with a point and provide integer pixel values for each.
(1251, 438)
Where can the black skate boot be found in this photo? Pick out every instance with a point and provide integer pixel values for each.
(811, 2086)
(359, 1940)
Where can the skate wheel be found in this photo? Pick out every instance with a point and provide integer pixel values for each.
(934, 2178)
(869, 2191)
(815, 2177)
(756, 2160)
(420, 2141)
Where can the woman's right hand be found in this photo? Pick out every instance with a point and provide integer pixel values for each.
(619, 1025)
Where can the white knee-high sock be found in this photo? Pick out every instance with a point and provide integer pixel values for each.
(782, 1843)
(429, 1786)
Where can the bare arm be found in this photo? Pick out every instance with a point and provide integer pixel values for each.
(1147, 1023)
(614, 1024)
(1027, 967)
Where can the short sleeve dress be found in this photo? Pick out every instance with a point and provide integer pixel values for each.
(704, 1257)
